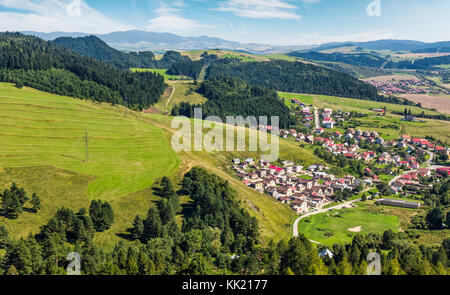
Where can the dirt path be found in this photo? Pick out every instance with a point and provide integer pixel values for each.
(174, 89)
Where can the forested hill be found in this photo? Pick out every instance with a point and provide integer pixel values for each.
(235, 97)
(33, 62)
(357, 59)
(92, 46)
(297, 77)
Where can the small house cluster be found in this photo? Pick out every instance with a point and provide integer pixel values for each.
(302, 188)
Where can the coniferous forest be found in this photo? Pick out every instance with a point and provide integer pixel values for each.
(216, 237)
(30, 61)
(297, 77)
(235, 97)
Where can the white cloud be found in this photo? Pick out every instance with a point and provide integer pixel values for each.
(170, 20)
(51, 15)
(264, 9)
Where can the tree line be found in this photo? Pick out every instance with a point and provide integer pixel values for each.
(407, 112)
(13, 201)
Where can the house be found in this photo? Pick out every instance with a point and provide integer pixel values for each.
(399, 203)
(236, 161)
(250, 161)
(401, 144)
(259, 186)
(406, 138)
(328, 123)
(440, 150)
(424, 172)
(409, 118)
(298, 168)
(443, 171)
(310, 139)
(326, 253)
(337, 134)
(300, 206)
(380, 140)
(273, 192)
(404, 164)
(378, 110)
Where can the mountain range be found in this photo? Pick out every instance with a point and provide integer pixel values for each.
(160, 42)
(136, 40)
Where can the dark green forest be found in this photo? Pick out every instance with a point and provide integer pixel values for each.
(30, 61)
(217, 237)
(186, 68)
(92, 46)
(235, 97)
(297, 77)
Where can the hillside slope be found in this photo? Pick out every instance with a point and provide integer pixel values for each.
(39, 129)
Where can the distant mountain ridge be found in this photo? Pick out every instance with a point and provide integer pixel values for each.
(387, 44)
(136, 40)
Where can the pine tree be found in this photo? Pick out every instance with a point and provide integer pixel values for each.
(138, 228)
(102, 215)
(152, 225)
(36, 202)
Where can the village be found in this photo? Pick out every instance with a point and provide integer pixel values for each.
(403, 87)
(311, 188)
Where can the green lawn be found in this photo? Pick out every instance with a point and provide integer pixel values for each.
(338, 222)
(306, 99)
(125, 154)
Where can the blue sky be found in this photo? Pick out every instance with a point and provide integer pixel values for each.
(281, 22)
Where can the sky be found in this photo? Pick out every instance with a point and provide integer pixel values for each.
(276, 22)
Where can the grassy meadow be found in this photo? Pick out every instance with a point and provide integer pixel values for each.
(162, 72)
(340, 226)
(40, 129)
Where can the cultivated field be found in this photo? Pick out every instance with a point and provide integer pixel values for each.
(438, 102)
(398, 77)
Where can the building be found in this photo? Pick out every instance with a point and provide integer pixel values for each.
(326, 252)
(399, 203)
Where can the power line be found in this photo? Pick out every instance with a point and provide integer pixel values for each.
(86, 138)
